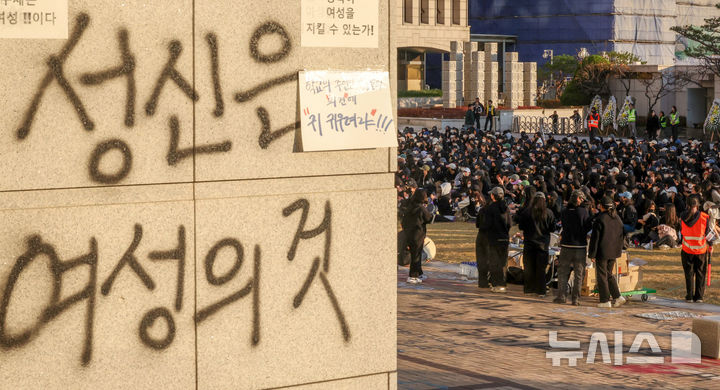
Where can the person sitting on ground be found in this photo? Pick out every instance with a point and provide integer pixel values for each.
(628, 212)
(606, 243)
(649, 222)
(669, 228)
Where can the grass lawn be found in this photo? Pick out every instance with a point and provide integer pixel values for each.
(455, 243)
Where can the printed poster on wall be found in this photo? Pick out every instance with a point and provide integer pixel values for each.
(346, 110)
(34, 19)
(340, 23)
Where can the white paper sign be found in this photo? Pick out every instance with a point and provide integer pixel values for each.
(346, 110)
(34, 19)
(340, 23)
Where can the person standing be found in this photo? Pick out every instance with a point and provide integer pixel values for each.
(414, 226)
(575, 118)
(576, 223)
(478, 110)
(606, 243)
(490, 114)
(674, 123)
(593, 124)
(695, 230)
(496, 225)
(536, 222)
(653, 125)
(632, 119)
(555, 122)
(469, 117)
(663, 124)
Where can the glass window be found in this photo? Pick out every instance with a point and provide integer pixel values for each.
(456, 11)
(424, 11)
(408, 11)
(440, 12)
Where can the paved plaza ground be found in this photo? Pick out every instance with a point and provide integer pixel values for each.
(452, 335)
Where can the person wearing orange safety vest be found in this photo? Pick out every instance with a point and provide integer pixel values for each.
(696, 239)
(593, 124)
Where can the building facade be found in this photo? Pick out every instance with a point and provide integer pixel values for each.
(641, 27)
(422, 27)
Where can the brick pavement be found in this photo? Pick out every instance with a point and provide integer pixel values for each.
(452, 335)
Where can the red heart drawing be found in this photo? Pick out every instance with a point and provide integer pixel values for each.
(373, 112)
(346, 95)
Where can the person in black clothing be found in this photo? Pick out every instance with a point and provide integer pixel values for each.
(554, 118)
(495, 224)
(413, 224)
(606, 243)
(653, 125)
(576, 224)
(469, 117)
(650, 222)
(536, 222)
(478, 109)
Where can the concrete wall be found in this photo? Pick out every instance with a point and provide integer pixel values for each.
(158, 243)
(431, 35)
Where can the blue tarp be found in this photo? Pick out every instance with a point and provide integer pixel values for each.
(564, 26)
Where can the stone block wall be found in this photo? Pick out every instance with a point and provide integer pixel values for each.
(474, 72)
(161, 226)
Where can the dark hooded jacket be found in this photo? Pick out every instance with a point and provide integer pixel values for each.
(495, 222)
(606, 241)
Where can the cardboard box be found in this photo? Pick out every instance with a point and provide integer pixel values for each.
(707, 330)
(629, 281)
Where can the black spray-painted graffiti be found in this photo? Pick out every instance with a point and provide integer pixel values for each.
(127, 69)
(130, 263)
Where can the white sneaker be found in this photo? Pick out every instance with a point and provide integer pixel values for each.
(605, 305)
(619, 302)
(422, 277)
(414, 280)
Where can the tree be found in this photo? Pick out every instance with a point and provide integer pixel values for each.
(658, 85)
(705, 41)
(562, 66)
(624, 57)
(594, 75)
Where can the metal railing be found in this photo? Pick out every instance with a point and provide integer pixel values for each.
(540, 124)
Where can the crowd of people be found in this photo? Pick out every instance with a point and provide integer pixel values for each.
(626, 193)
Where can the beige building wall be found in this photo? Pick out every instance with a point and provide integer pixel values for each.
(162, 228)
(431, 33)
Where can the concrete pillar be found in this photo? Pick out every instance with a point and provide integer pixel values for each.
(530, 84)
(491, 72)
(416, 12)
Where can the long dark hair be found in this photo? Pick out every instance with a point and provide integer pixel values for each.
(419, 197)
(671, 217)
(529, 196)
(539, 209)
